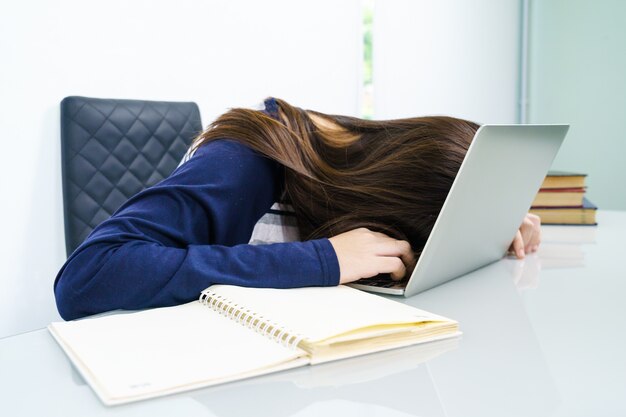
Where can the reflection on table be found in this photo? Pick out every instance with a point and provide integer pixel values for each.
(541, 337)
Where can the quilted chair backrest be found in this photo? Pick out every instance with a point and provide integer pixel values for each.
(111, 149)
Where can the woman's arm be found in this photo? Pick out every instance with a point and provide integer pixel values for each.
(169, 242)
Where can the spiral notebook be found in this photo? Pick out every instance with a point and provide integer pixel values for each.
(232, 333)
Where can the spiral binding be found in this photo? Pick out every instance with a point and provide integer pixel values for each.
(250, 319)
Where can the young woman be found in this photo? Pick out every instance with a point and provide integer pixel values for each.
(365, 195)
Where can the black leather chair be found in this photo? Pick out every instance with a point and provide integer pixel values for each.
(112, 149)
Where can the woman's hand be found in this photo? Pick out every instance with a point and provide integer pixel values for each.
(528, 236)
(363, 253)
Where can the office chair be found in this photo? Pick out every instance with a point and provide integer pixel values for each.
(111, 149)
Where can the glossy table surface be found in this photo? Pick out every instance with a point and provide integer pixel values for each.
(542, 337)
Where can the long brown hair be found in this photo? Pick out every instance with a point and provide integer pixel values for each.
(344, 172)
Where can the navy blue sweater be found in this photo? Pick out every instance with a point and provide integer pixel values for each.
(171, 241)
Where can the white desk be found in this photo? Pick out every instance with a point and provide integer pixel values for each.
(542, 337)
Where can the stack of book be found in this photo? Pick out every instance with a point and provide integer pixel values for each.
(561, 200)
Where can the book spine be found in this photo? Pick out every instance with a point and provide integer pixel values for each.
(250, 319)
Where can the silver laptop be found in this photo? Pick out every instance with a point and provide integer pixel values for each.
(493, 190)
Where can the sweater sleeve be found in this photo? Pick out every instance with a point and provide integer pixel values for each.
(171, 241)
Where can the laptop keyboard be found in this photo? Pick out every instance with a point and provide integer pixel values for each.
(383, 281)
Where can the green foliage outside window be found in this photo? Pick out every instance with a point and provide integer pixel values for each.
(368, 102)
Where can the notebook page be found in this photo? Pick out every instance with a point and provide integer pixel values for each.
(322, 312)
(164, 350)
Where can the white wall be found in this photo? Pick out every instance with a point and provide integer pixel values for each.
(457, 57)
(218, 53)
(451, 57)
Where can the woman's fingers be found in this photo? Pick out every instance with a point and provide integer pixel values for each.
(527, 233)
(528, 237)
(518, 245)
(536, 237)
(362, 253)
(388, 246)
(531, 232)
(399, 248)
(406, 253)
(393, 266)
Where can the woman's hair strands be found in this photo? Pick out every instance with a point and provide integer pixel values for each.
(343, 173)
